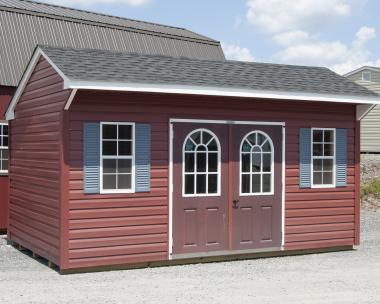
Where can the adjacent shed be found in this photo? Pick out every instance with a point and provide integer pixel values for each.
(25, 24)
(135, 159)
(369, 77)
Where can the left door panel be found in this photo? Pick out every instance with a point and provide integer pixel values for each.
(200, 188)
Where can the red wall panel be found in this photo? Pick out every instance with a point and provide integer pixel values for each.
(6, 94)
(130, 228)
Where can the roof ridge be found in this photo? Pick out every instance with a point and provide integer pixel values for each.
(98, 13)
(110, 23)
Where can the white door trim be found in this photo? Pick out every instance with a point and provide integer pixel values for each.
(228, 122)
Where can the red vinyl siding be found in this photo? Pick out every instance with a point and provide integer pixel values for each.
(34, 220)
(117, 229)
(6, 94)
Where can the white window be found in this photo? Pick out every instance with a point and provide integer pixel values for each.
(117, 157)
(201, 164)
(256, 164)
(323, 158)
(367, 76)
(4, 156)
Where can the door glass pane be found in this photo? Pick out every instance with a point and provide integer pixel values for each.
(212, 162)
(260, 139)
(189, 162)
(206, 137)
(267, 182)
(246, 162)
(201, 162)
(189, 184)
(246, 147)
(266, 147)
(245, 183)
(190, 145)
(256, 162)
(252, 139)
(256, 183)
(256, 149)
(213, 183)
(201, 183)
(196, 137)
(213, 146)
(267, 162)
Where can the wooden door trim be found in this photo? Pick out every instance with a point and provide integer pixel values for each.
(172, 121)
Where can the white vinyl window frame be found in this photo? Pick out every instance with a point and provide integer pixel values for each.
(333, 184)
(271, 172)
(3, 147)
(132, 157)
(367, 76)
(219, 152)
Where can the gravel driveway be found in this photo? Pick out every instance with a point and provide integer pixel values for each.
(344, 277)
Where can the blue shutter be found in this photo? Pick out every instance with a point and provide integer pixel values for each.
(341, 157)
(142, 159)
(91, 157)
(305, 157)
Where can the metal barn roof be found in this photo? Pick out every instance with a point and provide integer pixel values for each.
(24, 24)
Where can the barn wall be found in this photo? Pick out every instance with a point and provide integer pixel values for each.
(34, 213)
(129, 228)
(6, 94)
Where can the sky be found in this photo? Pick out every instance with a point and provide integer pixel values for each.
(339, 34)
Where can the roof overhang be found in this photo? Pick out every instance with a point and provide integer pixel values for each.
(366, 67)
(178, 89)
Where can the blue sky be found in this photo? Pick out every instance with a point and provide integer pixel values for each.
(339, 34)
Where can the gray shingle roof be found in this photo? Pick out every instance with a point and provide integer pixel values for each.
(106, 66)
(25, 24)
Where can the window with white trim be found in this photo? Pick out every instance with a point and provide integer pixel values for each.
(256, 164)
(323, 157)
(201, 164)
(4, 154)
(117, 157)
(367, 76)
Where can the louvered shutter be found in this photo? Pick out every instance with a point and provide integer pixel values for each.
(142, 159)
(341, 157)
(91, 157)
(305, 157)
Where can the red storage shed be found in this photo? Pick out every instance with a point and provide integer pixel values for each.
(133, 159)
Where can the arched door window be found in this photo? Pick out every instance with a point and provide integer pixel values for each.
(256, 164)
(201, 164)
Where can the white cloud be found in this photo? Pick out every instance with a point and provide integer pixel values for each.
(95, 2)
(338, 56)
(235, 52)
(286, 15)
(291, 38)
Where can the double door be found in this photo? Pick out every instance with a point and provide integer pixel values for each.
(227, 189)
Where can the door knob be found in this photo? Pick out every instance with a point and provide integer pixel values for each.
(235, 204)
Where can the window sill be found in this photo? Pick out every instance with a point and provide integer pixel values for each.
(4, 173)
(323, 186)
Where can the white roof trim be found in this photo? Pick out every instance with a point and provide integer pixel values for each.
(175, 89)
(10, 114)
(375, 69)
(216, 91)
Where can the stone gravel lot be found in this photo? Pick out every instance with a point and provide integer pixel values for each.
(342, 277)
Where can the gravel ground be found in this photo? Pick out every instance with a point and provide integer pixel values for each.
(370, 171)
(342, 277)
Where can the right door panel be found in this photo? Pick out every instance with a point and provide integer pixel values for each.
(256, 153)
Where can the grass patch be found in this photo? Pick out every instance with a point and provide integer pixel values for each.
(372, 188)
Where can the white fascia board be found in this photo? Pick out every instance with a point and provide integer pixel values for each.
(9, 114)
(215, 91)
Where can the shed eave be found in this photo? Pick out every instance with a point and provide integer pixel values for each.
(217, 91)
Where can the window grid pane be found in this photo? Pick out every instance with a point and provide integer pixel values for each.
(323, 143)
(201, 164)
(4, 157)
(117, 156)
(256, 164)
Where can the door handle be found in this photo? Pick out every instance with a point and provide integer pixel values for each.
(235, 204)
